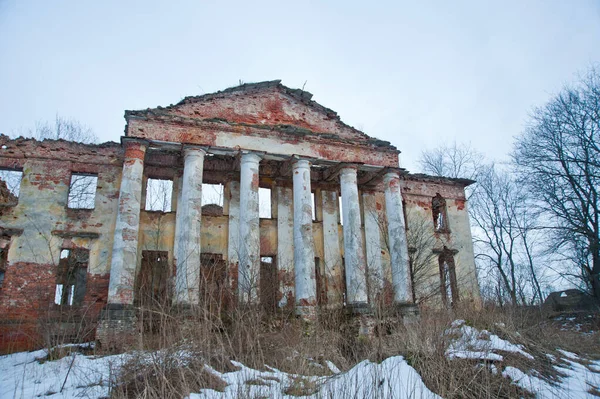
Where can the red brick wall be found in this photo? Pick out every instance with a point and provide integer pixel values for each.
(27, 310)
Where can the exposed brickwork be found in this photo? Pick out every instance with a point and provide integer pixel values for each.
(46, 225)
(266, 118)
(250, 115)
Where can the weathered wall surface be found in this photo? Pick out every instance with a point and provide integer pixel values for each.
(271, 119)
(418, 195)
(45, 225)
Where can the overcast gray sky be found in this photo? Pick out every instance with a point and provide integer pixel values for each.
(413, 73)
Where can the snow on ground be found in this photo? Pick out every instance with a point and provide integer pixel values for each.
(22, 376)
(474, 344)
(580, 375)
(577, 382)
(392, 378)
(26, 375)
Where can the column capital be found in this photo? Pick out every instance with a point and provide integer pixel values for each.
(349, 169)
(193, 150)
(250, 156)
(134, 148)
(391, 174)
(298, 163)
(128, 141)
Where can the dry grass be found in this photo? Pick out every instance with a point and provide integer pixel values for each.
(175, 352)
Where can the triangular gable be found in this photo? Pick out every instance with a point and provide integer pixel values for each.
(264, 104)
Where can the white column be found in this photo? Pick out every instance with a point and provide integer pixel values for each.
(331, 249)
(304, 245)
(285, 245)
(125, 244)
(249, 238)
(188, 228)
(397, 239)
(356, 273)
(373, 225)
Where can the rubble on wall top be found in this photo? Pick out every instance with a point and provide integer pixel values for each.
(21, 139)
(27, 147)
(248, 88)
(439, 179)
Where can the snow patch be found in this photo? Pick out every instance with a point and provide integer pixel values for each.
(22, 375)
(474, 344)
(392, 378)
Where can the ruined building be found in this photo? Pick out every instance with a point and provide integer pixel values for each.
(92, 232)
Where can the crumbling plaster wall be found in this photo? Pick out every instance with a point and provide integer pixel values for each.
(47, 226)
(266, 117)
(418, 195)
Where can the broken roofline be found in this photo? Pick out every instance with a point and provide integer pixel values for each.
(457, 181)
(300, 95)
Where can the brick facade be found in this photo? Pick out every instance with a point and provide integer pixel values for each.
(278, 124)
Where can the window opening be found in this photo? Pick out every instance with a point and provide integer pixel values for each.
(10, 186)
(448, 284)
(213, 282)
(71, 277)
(438, 208)
(405, 214)
(158, 195)
(321, 281)
(268, 283)
(264, 203)
(314, 206)
(82, 191)
(151, 283)
(212, 194)
(341, 209)
(4, 243)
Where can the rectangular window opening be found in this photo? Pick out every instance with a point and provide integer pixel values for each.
(82, 191)
(158, 195)
(448, 283)
(10, 186)
(268, 283)
(314, 206)
(212, 194)
(341, 210)
(438, 210)
(150, 289)
(3, 261)
(71, 277)
(264, 203)
(214, 284)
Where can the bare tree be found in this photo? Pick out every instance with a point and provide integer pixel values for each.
(558, 159)
(455, 160)
(421, 241)
(506, 236)
(66, 129)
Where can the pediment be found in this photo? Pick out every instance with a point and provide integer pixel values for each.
(265, 104)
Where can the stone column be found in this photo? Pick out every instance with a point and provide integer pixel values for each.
(356, 273)
(285, 245)
(331, 250)
(118, 320)
(125, 244)
(304, 245)
(187, 228)
(249, 238)
(397, 239)
(373, 225)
